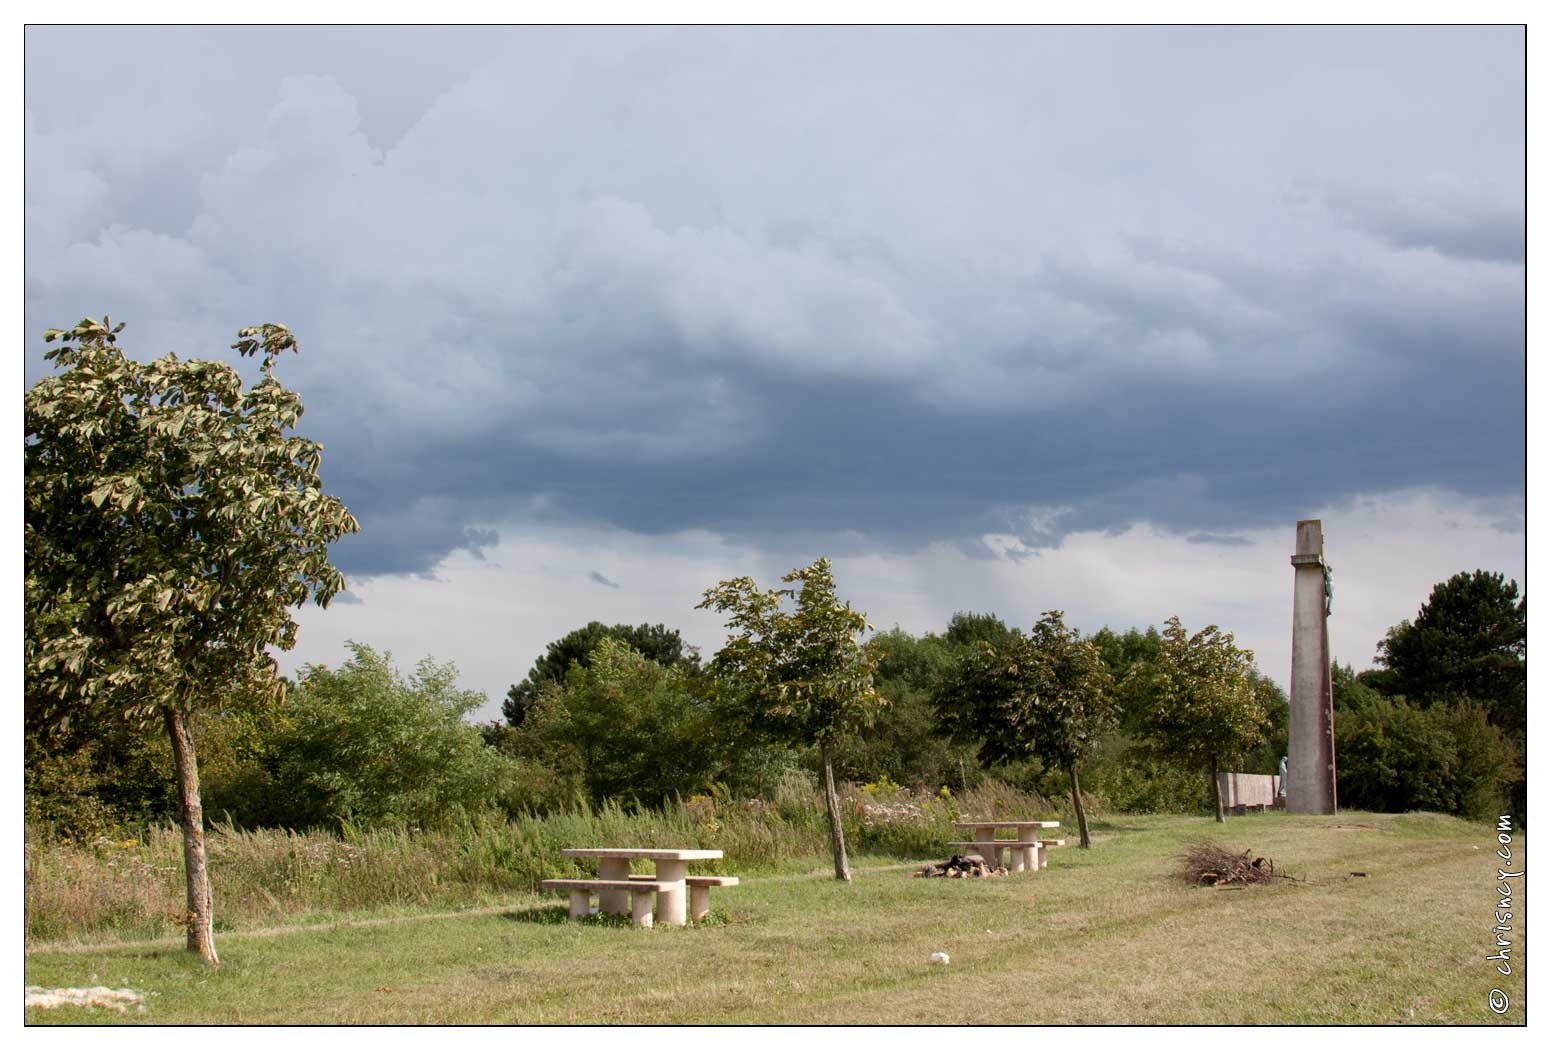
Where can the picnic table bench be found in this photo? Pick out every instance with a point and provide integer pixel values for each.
(639, 890)
(699, 891)
(620, 893)
(1026, 853)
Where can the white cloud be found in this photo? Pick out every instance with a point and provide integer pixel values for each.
(493, 617)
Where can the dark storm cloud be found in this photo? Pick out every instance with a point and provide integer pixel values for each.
(861, 459)
(407, 539)
(820, 288)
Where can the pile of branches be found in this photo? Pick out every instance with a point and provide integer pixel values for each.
(961, 866)
(1209, 865)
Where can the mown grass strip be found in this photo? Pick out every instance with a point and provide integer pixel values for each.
(1101, 936)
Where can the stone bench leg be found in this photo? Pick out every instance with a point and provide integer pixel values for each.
(581, 904)
(1043, 853)
(610, 900)
(1026, 854)
(641, 907)
(699, 902)
(670, 903)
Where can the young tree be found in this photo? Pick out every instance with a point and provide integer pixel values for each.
(171, 525)
(802, 676)
(1198, 702)
(1045, 696)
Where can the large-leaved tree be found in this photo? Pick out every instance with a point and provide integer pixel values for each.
(172, 523)
(802, 676)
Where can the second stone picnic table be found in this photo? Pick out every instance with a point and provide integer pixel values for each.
(1025, 851)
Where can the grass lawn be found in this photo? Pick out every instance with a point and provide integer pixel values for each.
(1101, 936)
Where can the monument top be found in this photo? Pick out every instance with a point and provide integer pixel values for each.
(1311, 537)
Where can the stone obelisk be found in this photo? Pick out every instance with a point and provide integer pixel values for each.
(1311, 744)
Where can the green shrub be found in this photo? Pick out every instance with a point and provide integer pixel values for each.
(369, 746)
(96, 777)
(1394, 756)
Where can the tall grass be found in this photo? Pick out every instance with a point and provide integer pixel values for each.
(133, 887)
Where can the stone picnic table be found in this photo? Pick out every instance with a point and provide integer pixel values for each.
(620, 893)
(1027, 852)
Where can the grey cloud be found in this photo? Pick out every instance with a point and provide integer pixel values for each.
(599, 578)
(404, 537)
(1454, 221)
(819, 288)
(1217, 539)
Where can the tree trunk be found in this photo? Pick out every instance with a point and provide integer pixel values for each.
(1216, 790)
(832, 801)
(201, 907)
(1082, 815)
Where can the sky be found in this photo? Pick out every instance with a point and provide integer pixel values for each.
(999, 320)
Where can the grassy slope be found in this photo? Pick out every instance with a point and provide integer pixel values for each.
(1101, 936)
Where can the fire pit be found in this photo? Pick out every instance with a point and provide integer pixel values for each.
(960, 866)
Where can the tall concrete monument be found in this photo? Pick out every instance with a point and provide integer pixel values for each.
(1311, 743)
